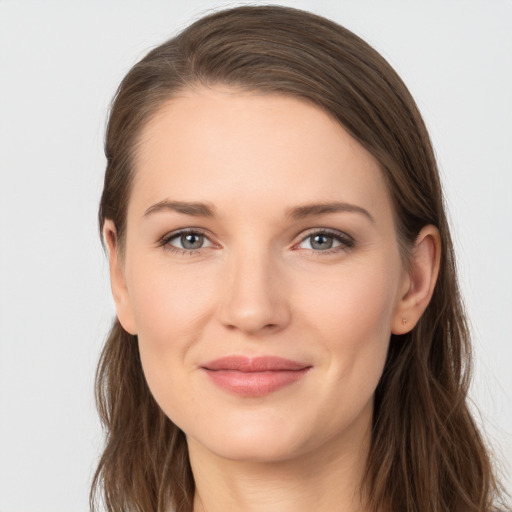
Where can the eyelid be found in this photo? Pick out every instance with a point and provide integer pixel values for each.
(345, 240)
(164, 240)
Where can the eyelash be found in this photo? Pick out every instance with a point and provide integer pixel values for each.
(346, 241)
(166, 239)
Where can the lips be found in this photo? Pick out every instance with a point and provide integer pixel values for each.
(253, 377)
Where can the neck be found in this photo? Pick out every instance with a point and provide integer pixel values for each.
(326, 480)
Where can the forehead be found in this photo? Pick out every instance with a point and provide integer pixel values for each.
(248, 149)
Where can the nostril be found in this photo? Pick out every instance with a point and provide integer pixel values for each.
(250, 300)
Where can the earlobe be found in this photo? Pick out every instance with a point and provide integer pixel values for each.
(117, 278)
(421, 280)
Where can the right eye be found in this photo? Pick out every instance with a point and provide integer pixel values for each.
(186, 241)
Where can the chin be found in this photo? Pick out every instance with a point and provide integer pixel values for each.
(254, 441)
(253, 450)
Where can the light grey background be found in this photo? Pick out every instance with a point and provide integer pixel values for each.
(60, 63)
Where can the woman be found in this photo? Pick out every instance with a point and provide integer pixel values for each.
(290, 333)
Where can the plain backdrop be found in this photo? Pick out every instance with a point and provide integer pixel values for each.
(60, 63)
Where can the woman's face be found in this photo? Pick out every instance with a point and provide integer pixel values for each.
(262, 274)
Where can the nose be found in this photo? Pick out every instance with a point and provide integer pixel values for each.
(253, 295)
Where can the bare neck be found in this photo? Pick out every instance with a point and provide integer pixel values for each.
(327, 480)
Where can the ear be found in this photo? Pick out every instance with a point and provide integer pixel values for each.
(117, 279)
(420, 282)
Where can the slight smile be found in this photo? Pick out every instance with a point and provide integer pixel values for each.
(254, 377)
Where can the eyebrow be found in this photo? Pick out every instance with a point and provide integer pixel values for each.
(309, 210)
(188, 208)
(197, 209)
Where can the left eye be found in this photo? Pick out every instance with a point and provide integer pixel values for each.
(325, 241)
(188, 241)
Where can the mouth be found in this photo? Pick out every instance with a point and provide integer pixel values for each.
(253, 377)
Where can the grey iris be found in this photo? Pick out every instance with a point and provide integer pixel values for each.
(192, 241)
(321, 242)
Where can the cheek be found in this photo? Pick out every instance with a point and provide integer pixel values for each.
(354, 300)
(170, 305)
(350, 315)
(349, 318)
(171, 309)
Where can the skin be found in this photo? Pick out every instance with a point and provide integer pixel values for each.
(258, 286)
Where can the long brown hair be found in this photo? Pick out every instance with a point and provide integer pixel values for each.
(426, 453)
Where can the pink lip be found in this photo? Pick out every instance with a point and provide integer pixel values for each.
(251, 377)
